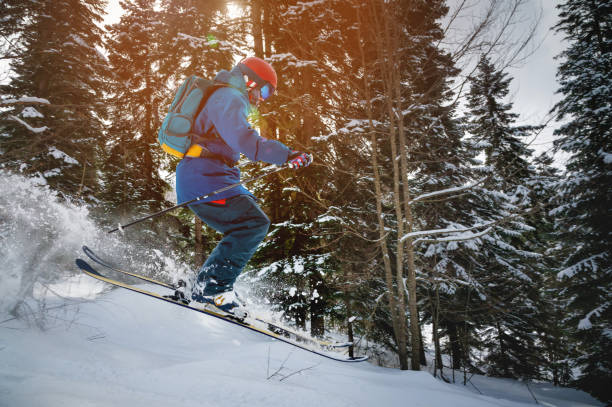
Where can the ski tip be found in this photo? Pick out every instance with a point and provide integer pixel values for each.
(86, 267)
(83, 265)
(88, 251)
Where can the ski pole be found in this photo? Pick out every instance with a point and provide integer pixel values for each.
(218, 191)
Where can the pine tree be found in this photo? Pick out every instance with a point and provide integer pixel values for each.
(584, 212)
(131, 168)
(197, 39)
(553, 332)
(60, 62)
(293, 200)
(14, 15)
(509, 265)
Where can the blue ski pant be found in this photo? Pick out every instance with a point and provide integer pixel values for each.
(243, 225)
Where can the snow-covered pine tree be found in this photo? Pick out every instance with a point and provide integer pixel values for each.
(133, 184)
(57, 60)
(352, 82)
(584, 212)
(421, 149)
(438, 160)
(14, 15)
(552, 331)
(197, 39)
(508, 263)
(302, 268)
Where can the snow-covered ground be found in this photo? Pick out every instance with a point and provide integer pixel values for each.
(104, 347)
(87, 345)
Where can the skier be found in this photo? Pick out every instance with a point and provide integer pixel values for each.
(209, 164)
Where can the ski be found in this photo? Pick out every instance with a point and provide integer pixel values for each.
(271, 326)
(299, 341)
(101, 262)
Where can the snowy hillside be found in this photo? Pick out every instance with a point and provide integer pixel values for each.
(82, 344)
(116, 348)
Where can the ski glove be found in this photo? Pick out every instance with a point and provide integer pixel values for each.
(298, 159)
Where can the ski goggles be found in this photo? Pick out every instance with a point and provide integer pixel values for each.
(266, 91)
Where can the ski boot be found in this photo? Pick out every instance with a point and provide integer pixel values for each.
(227, 302)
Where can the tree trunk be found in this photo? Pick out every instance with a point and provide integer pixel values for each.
(256, 19)
(408, 219)
(199, 244)
(347, 304)
(388, 273)
(455, 345)
(435, 318)
(149, 139)
(300, 318)
(436, 340)
(392, 85)
(317, 320)
(267, 27)
(351, 337)
(422, 359)
(502, 350)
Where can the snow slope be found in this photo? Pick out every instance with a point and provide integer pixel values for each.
(117, 348)
(86, 345)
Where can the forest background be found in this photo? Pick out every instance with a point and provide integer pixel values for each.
(427, 210)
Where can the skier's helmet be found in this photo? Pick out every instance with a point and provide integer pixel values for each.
(261, 76)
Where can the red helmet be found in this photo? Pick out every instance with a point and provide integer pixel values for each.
(258, 71)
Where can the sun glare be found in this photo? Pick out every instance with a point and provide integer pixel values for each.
(114, 11)
(234, 10)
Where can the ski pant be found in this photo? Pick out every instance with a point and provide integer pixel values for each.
(244, 226)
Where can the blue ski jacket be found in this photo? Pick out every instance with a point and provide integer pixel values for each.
(224, 120)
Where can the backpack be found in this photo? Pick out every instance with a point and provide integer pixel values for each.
(175, 136)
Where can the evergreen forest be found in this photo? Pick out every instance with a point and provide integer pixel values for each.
(427, 230)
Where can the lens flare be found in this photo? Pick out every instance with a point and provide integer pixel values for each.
(213, 42)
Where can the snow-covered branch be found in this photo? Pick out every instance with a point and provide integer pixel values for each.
(444, 231)
(586, 323)
(588, 263)
(456, 238)
(466, 235)
(446, 191)
(24, 99)
(27, 126)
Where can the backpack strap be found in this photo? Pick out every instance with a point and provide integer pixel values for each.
(211, 89)
(198, 149)
(211, 131)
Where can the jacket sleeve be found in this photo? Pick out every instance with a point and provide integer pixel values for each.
(228, 112)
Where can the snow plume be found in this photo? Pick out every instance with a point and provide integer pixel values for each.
(41, 235)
